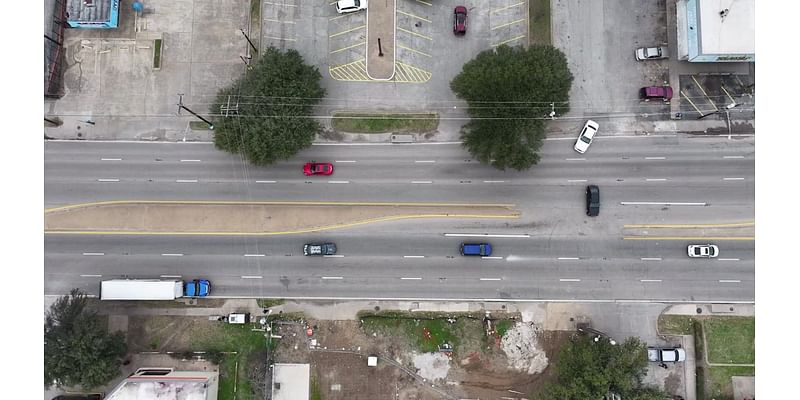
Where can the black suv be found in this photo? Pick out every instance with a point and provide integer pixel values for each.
(592, 200)
(319, 249)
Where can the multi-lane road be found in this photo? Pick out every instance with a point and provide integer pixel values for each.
(562, 255)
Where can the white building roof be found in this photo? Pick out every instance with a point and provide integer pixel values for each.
(291, 381)
(733, 34)
(177, 385)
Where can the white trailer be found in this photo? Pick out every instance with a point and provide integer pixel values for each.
(140, 289)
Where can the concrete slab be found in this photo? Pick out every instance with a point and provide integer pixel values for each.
(744, 387)
(380, 39)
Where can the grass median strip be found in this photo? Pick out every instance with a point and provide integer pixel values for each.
(384, 123)
(539, 25)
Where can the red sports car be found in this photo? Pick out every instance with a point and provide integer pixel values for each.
(317, 169)
(460, 20)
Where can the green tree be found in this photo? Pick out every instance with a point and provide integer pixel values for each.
(509, 91)
(590, 369)
(78, 350)
(274, 102)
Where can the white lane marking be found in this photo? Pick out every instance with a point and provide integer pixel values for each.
(338, 181)
(186, 181)
(252, 277)
(569, 280)
(576, 180)
(345, 161)
(413, 256)
(91, 276)
(651, 258)
(170, 276)
(655, 179)
(421, 181)
(332, 277)
(576, 159)
(491, 279)
(492, 258)
(728, 259)
(650, 280)
(255, 255)
(497, 235)
(493, 181)
(266, 181)
(655, 158)
(191, 160)
(410, 279)
(732, 179)
(729, 281)
(110, 159)
(172, 254)
(94, 254)
(658, 203)
(424, 161)
(732, 156)
(108, 180)
(568, 258)
(333, 256)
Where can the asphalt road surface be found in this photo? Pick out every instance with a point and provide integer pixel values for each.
(565, 256)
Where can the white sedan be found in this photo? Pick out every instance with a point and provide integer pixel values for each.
(586, 136)
(703, 250)
(348, 6)
(652, 53)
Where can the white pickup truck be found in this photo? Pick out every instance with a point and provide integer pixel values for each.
(666, 354)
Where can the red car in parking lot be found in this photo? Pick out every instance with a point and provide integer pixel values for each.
(655, 92)
(313, 168)
(460, 20)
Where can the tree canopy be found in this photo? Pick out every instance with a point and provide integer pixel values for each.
(590, 369)
(78, 350)
(268, 109)
(509, 91)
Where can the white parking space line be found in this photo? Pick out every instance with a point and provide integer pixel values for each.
(493, 181)
(492, 258)
(345, 161)
(170, 276)
(568, 258)
(730, 157)
(729, 281)
(649, 280)
(655, 158)
(576, 180)
(575, 159)
(491, 279)
(108, 180)
(110, 159)
(413, 256)
(338, 181)
(732, 179)
(497, 235)
(252, 277)
(94, 254)
(255, 255)
(91, 276)
(426, 182)
(172, 255)
(410, 279)
(186, 181)
(191, 160)
(266, 181)
(655, 179)
(424, 161)
(333, 256)
(728, 259)
(332, 277)
(651, 258)
(569, 280)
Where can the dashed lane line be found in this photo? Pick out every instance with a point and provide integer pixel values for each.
(94, 254)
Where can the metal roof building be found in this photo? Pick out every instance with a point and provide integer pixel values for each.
(166, 384)
(93, 14)
(716, 30)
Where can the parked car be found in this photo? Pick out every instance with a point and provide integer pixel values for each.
(655, 92)
(313, 168)
(348, 6)
(476, 249)
(586, 136)
(652, 53)
(703, 250)
(319, 249)
(666, 354)
(460, 20)
(592, 200)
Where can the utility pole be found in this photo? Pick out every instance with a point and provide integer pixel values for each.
(552, 111)
(181, 106)
(380, 50)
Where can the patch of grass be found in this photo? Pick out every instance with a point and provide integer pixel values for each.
(676, 324)
(233, 369)
(199, 126)
(296, 316)
(267, 303)
(383, 123)
(719, 384)
(539, 22)
(316, 394)
(157, 54)
(502, 326)
(730, 339)
(425, 332)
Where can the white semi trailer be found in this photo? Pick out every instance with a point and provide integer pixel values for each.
(151, 289)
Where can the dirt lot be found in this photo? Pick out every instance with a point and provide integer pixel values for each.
(477, 367)
(262, 218)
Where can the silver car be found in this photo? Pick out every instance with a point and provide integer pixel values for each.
(652, 53)
(586, 136)
(703, 250)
